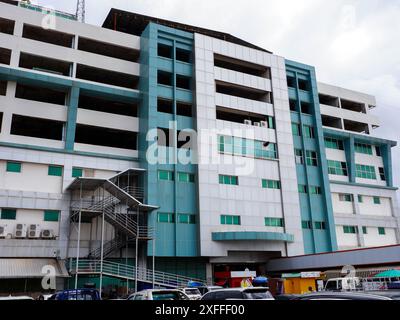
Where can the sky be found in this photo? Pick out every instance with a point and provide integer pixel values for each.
(352, 43)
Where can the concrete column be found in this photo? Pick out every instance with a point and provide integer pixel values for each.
(209, 273)
(7, 114)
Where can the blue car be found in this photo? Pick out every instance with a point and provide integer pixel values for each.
(79, 295)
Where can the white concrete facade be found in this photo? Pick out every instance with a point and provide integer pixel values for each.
(248, 199)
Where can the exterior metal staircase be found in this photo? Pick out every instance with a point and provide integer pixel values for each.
(128, 272)
(123, 222)
(108, 248)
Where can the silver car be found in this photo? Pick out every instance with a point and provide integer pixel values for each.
(159, 294)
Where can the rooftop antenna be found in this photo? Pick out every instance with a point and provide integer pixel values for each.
(80, 11)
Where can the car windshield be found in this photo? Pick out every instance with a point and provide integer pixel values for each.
(257, 294)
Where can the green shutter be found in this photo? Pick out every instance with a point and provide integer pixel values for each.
(8, 214)
(13, 167)
(382, 231)
(377, 200)
(365, 230)
(55, 171)
(77, 172)
(51, 215)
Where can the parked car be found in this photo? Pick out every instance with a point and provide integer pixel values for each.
(343, 284)
(286, 297)
(192, 293)
(204, 289)
(392, 294)
(324, 295)
(79, 294)
(159, 294)
(239, 294)
(20, 298)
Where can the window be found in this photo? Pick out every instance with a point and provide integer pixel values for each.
(55, 171)
(337, 168)
(308, 132)
(382, 174)
(230, 220)
(303, 188)
(51, 216)
(229, 180)
(378, 151)
(307, 225)
(381, 231)
(346, 197)
(304, 85)
(377, 200)
(77, 172)
(183, 55)
(365, 230)
(187, 218)
(296, 129)
(315, 190)
(164, 51)
(165, 175)
(291, 82)
(331, 143)
(166, 217)
(350, 229)
(311, 158)
(365, 172)
(299, 156)
(247, 148)
(320, 225)
(185, 177)
(271, 184)
(8, 214)
(363, 148)
(360, 198)
(14, 166)
(274, 222)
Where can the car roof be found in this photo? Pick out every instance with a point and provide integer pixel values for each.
(387, 293)
(241, 289)
(349, 294)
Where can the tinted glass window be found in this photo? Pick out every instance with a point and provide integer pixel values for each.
(209, 296)
(223, 295)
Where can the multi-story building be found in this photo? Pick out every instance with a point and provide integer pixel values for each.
(101, 171)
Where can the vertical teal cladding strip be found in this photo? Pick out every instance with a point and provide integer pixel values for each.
(319, 208)
(350, 158)
(173, 239)
(71, 118)
(387, 162)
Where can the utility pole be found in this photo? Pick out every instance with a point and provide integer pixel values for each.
(80, 11)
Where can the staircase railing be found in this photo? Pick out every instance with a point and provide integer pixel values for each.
(129, 272)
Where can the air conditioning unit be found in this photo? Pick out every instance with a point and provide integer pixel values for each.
(33, 231)
(20, 231)
(48, 234)
(264, 124)
(3, 231)
(257, 124)
(248, 122)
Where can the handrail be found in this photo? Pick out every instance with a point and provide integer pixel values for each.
(129, 272)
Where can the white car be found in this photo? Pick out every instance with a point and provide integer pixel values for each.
(21, 298)
(159, 294)
(239, 294)
(192, 293)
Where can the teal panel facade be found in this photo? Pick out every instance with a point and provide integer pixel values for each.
(174, 239)
(314, 207)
